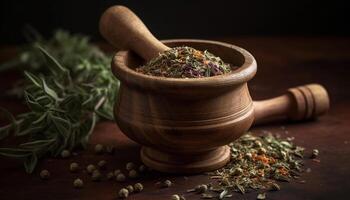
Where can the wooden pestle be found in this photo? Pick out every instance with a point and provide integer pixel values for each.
(123, 29)
(300, 103)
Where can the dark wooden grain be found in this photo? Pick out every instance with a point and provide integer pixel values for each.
(282, 63)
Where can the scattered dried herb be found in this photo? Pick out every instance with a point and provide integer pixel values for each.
(257, 163)
(185, 62)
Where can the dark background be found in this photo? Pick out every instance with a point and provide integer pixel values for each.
(180, 18)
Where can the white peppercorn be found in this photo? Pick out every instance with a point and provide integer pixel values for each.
(120, 177)
(74, 167)
(130, 166)
(90, 168)
(45, 174)
(78, 183)
(123, 193)
(65, 154)
(98, 148)
(138, 187)
(133, 174)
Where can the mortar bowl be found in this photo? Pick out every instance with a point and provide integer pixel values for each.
(184, 125)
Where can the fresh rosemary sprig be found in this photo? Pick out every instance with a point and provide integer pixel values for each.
(65, 100)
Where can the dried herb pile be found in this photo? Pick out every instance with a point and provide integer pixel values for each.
(257, 163)
(67, 87)
(185, 62)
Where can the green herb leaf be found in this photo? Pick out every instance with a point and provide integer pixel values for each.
(68, 87)
(48, 90)
(52, 62)
(223, 194)
(30, 163)
(32, 103)
(34, 79)
(14, 152)
(5, 130)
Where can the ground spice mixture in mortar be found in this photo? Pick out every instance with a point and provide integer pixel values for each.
(185, 62)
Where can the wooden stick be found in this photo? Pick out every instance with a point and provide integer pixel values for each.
(300, 103)
(124, 30)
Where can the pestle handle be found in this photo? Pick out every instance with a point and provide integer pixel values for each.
(124, 30)
(300, 103)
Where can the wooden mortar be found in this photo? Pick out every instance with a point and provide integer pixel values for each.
(184, 125)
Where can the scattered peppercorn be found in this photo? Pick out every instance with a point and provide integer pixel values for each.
(90, 168)
(261, 196)
(130, 166)
(130, 188)
(120, 177)
(78, 183)
(74, 167)
(98, 148)
(110, 175)
(102, 164)
(133, 174)
(123, 193)
(142, 168)
(138, 187)
(175, 197)
(96, 175)
(116, 172)
(201, 188)
(167, 183)
(44, 174)
(315, 153)
(65, 154)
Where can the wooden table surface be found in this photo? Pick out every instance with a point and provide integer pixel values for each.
(283, 62)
